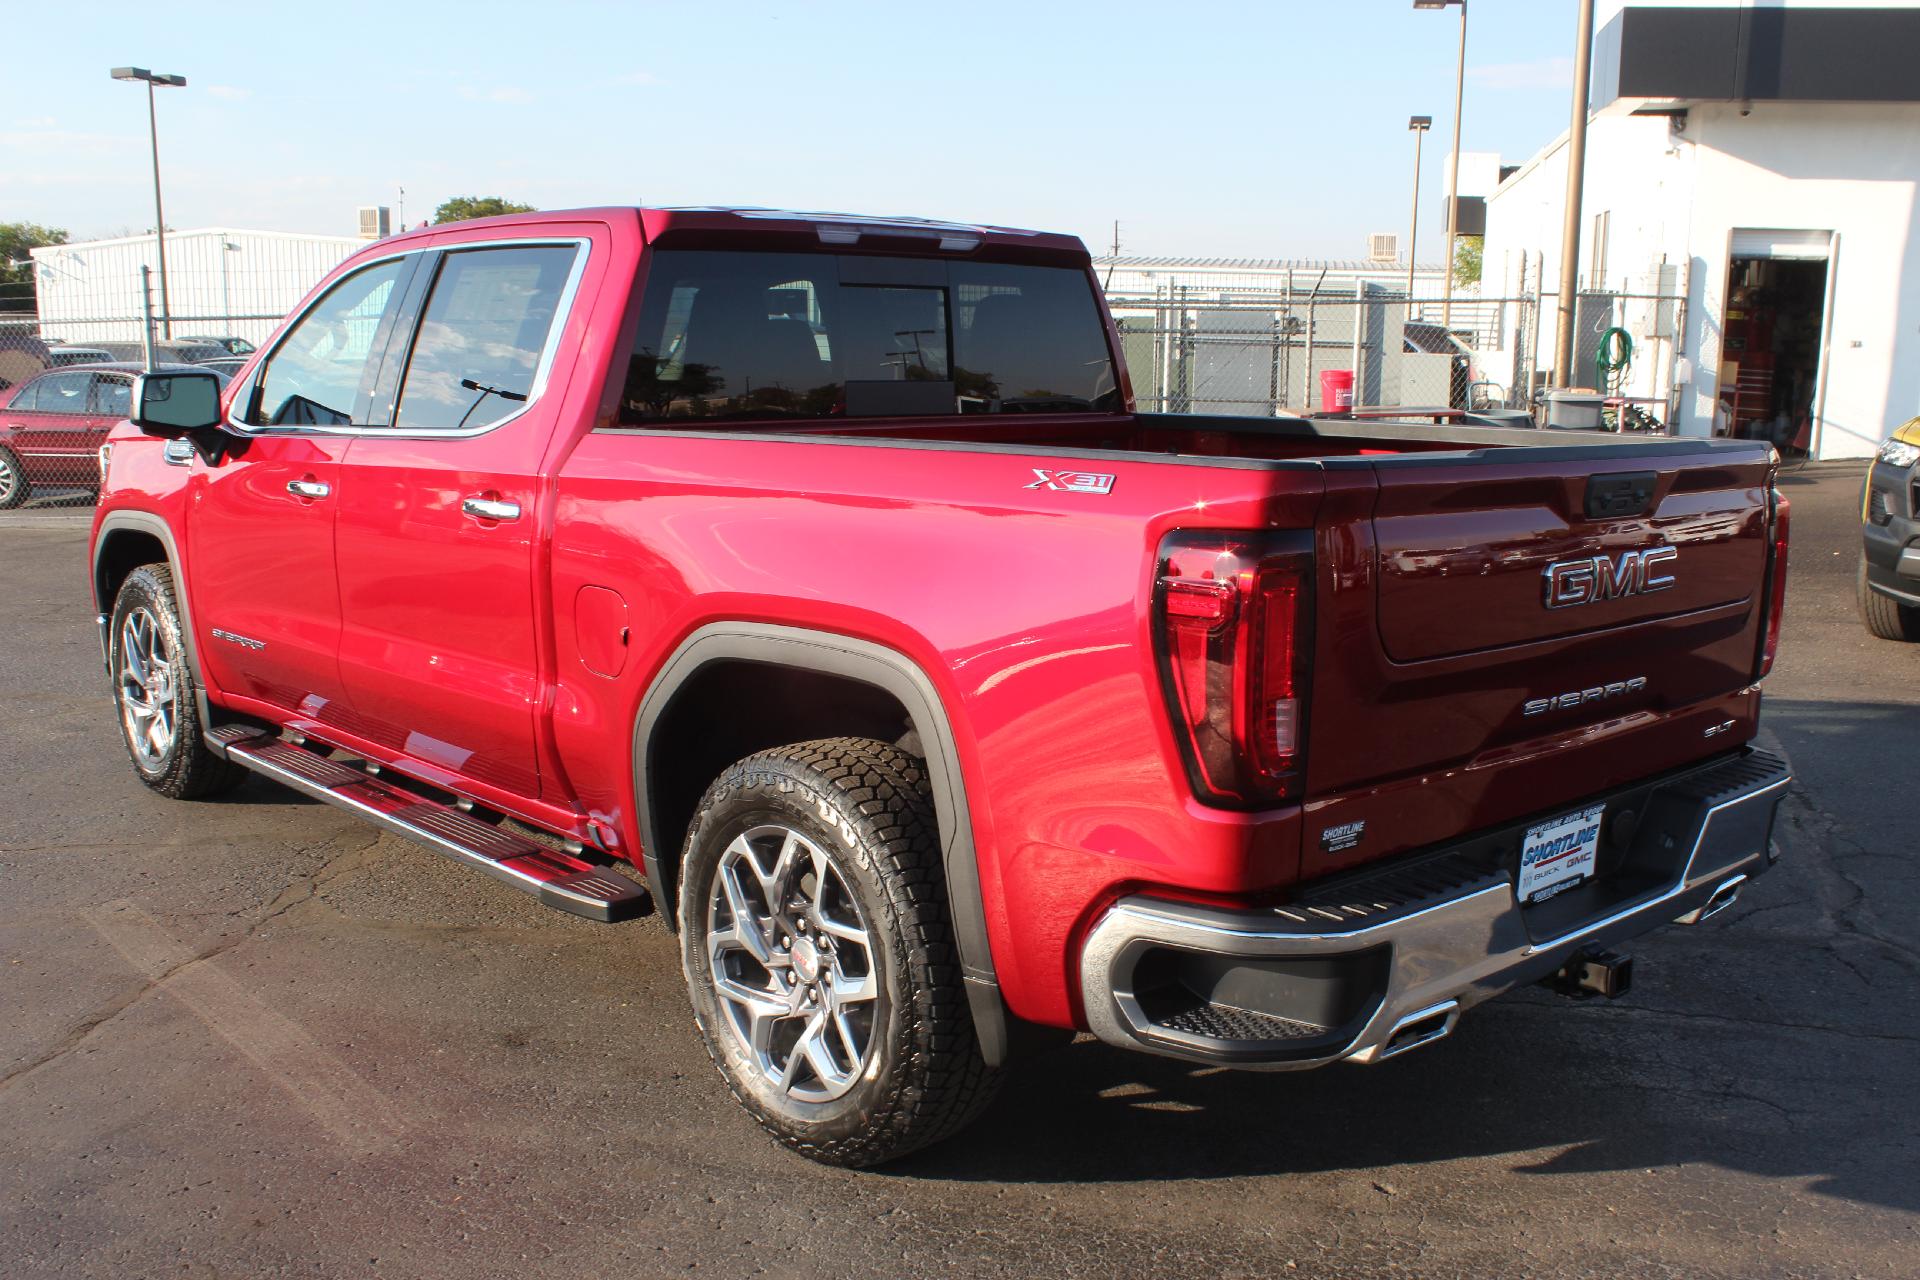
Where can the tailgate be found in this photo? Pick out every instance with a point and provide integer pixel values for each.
(1503, 631)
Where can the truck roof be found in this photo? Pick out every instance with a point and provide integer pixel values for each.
(844, 229)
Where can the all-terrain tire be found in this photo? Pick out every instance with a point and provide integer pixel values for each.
(868, 807)
(183, 769)
(1884, 616)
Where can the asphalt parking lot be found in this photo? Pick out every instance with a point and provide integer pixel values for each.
(253, 1037)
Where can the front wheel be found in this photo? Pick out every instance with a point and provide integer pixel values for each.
(153, 691)
(1884, 616)
(820, 956)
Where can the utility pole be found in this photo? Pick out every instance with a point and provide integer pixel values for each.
(1419, 126)
(1566, 302)
(1453, 177)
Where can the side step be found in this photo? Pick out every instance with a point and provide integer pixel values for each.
(558, 879)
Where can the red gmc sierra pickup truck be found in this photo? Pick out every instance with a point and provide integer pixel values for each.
(811, 579)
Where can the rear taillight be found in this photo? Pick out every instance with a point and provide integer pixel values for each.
(1776, 582)
(1232, 620)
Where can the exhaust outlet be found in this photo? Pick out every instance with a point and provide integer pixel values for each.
(1594, 973)
(1723, 897)
(1417, 1029)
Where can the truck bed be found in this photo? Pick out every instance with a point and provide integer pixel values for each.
(1015, 557)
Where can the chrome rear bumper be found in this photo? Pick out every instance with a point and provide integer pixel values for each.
(1385, 962)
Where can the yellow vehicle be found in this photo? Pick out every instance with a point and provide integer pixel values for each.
(1890, 560)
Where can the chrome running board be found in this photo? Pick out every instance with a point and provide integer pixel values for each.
(558, 879)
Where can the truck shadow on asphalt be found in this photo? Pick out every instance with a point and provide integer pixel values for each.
(1093, 1114)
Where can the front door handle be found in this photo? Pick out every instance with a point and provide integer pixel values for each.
(309, 488)
(490, 508)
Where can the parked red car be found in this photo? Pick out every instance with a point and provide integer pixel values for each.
(52, 426)
(812, 579)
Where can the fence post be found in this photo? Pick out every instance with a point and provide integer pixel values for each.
(1286, 336)
(1533, 347)
(146, 314)
(1306, 366)
(1359, 308)
(1273, 366)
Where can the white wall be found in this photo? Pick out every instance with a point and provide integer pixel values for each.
(91, 290)
(1845, 168)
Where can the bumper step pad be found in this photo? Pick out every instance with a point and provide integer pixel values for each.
(559, 879)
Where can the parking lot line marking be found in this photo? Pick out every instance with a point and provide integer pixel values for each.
(358, 1115)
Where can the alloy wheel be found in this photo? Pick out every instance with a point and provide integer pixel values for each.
(793, 964)
(149, 696)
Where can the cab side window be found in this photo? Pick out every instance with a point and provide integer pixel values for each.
(486, 324)
(316, 376)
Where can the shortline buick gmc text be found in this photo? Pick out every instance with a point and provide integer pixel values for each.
(811, 579)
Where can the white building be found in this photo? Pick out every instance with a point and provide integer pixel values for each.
(1763, 158)
(220, 280)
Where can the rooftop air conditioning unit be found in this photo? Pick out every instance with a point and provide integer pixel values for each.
(1383, 246)
(376, 222)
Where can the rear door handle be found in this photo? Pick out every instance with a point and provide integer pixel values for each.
(309, 488)
(490, 508)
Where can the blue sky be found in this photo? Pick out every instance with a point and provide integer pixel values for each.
(1213, 129)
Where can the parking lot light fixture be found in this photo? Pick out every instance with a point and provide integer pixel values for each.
(153, 79)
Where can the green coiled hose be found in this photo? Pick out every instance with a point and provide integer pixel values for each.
(1612, 359)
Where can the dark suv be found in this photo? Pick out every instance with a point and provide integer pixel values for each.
(1890, 559)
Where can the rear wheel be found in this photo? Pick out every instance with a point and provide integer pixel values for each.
(1884, 616)
(153, 691)
(14, 488)
(819, 954)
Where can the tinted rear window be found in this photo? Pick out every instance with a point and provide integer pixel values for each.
(728, 335)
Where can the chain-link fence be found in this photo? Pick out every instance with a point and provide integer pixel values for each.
(66, 377)
(1371, 351)
(60, 395)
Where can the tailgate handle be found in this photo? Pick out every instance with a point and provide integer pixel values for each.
(1625, 493)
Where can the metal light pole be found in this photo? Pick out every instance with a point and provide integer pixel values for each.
(159, 216)
(1453, 177)
(226, 305)
(1576, 181)
(1419, 126)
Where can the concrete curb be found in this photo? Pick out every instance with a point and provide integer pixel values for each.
(45, 520)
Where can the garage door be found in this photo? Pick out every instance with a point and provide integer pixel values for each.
(1781, 244)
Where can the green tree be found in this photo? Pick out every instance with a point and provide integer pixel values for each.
(16, 282)
(1466, 259)
(460, 208)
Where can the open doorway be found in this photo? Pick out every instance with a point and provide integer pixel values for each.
(1770, 357)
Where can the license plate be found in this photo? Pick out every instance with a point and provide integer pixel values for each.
(1559, 854)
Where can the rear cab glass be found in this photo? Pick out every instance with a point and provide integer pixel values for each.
(737, 335)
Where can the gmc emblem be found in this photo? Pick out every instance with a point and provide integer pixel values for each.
(1595, 578)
